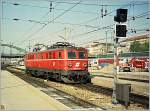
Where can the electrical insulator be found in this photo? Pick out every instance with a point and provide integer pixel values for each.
(133, 18)
(50, 7)
(105, 11)
(102, 12)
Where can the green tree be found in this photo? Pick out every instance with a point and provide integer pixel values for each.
(145, 46)
(135, 46)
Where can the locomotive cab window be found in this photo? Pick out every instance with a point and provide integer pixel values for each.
(71, 55)
(81, 55)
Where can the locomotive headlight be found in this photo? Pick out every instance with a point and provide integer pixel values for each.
(85, 65)
(69, 65)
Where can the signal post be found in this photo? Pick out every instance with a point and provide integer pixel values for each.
(121, 17)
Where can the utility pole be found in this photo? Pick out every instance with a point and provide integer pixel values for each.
(66, 38)
(106, 43)
(106, 32)
(11, 44)
(29, 46)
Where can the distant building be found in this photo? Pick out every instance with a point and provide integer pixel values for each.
(97, 48)
(127, 42)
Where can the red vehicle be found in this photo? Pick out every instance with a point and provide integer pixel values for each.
(142, 63)
(62, 62)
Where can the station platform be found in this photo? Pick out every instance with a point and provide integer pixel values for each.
(16, 94)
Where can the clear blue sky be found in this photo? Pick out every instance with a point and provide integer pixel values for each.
(21, 31)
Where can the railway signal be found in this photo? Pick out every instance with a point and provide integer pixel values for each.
(121, 30)
(121, 17)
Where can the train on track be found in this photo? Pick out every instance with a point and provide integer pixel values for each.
(62, 62)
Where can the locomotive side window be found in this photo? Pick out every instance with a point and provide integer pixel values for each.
(46, 55)
(71, 55)
(39, 56)
(36, 56)
(42, 56)
(81, 55)
(59, 55)
(54, 55)
(50, 55)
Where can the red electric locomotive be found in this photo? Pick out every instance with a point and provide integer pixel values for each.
(62, 62)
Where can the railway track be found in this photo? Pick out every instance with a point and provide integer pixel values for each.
(134, 98)
(105, 93)
(123, 78)
(65, 98)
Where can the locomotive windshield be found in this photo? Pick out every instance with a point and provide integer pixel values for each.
(81, 55)
(71, 55)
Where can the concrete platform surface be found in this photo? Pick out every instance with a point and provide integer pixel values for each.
(16, 94)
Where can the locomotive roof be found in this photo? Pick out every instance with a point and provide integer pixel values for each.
(61, 46)
(56, 49)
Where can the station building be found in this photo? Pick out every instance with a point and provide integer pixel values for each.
(129, 40)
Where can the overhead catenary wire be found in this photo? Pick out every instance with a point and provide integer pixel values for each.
(58, 22)
(58, 9)
(30, 29)
(24, 35)
(101, 39)
(77, 35)
(77, 11)
(92, 4)
(35, 32)
(107, 14)
(81, 25)
(129, 32)
(115, 5)
(95, 18)
(43, 26)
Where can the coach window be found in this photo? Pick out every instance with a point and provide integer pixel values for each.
(59, 55)
(81, 55)
(71, 55)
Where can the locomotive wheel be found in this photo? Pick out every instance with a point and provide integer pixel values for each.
(58, 77)
(89, 80)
